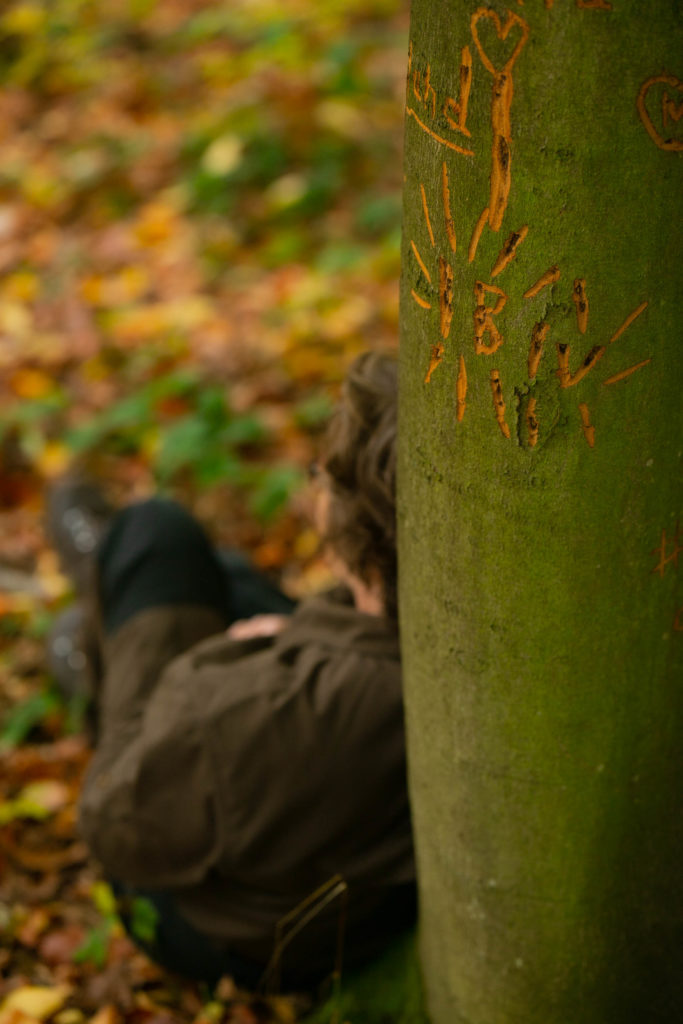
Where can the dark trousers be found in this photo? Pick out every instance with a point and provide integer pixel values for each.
(155, 553)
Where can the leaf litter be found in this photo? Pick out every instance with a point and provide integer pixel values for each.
(199, 229)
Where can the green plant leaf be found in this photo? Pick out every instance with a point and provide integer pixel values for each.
(183, 444)
(313, 412)
(275, 488)
(95, 946)
(26, 716)
(248, 429)
(144, 918)
(218, 466)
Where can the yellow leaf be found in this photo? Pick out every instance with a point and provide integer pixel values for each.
(287, 190)
(210, 1013)
(127, 285)
(14, 319)
(104, 899)
(96, 368)
(69, 1016)
(24, 19)
(53, 582)
(34, 1001)
(138, 324)
(307, 544)
(348, 317)
(107, 1015)
(54, 459)
(48, 794)
(188, 313)
(155, 225)
(283, 1010)
(132, 282)
(150, 443)
(223, 155)
(31, 384)
(91, 289)
(16, 604)
(42, 187)
(343, 118)
(22, 286)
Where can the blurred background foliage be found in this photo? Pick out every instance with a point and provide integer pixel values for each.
(199, 228)
(200, 206)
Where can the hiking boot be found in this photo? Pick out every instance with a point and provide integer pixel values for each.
(77, 515)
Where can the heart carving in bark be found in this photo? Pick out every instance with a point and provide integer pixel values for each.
(502, 31)
(667, 132)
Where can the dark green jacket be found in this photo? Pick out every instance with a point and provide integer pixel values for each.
(242, 775)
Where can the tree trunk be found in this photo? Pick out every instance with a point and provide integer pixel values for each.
(539, 505)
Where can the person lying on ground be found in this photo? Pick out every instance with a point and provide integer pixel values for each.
(244, 766)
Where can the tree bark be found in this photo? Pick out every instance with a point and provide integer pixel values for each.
(540, 507)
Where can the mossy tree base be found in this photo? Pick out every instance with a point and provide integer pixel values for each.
(388, 991)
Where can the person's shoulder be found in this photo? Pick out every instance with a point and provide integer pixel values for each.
(330, 622)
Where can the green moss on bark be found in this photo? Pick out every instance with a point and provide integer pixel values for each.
(541, 651)
(388, 991)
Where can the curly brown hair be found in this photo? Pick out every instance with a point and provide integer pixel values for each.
(359, 459)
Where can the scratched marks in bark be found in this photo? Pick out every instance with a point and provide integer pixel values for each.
(476, 234)
(568, 378)
(499, 403)
(667, 552)
(448, 216)
(623, 374)
(483, 318)
(580, 300)
(586, 426)
(538, 336)
(498, 42)
(509, 250)
(439, 116)
(531, 422)
(488, 337)
(435, 357)
(666, 557)
(461, 390)
(591, 359)
(663, 125)
(445, 296)
(421, 263)
(445, 293)
(549, 277)
(501, 103)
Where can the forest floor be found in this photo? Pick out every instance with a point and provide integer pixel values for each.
(200, 206)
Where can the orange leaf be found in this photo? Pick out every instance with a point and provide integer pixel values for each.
(107, 1015)
(33, 927)
(29, 383)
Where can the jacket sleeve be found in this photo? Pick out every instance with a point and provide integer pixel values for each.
(148, 808)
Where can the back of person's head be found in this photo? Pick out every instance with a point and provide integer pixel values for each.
(359, 459)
